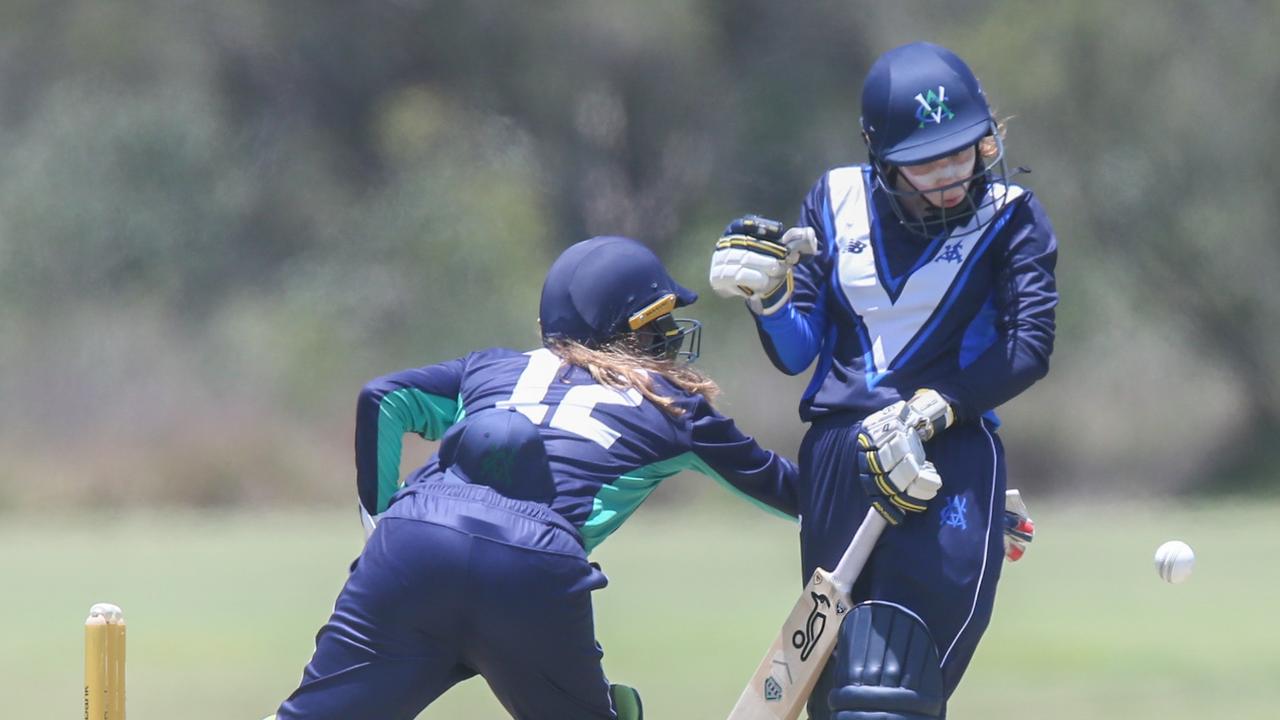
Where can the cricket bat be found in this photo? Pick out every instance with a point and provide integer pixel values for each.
(781, 684)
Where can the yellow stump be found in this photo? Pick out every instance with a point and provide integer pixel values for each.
(104, 663)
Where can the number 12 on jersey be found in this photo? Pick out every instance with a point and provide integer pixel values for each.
(573, 413)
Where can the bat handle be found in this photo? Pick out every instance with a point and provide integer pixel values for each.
(855, 556)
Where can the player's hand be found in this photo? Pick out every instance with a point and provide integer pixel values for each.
(1019, 529)
(753, 260)
(892, 465)
(893, 503)
(928, 413)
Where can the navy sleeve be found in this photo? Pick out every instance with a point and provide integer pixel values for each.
(792, 337)
(725, 454)
(423, 401)
(1025, 298)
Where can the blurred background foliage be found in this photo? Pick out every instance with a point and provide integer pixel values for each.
(217, 220)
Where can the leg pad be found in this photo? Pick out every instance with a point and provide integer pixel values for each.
(886, 667)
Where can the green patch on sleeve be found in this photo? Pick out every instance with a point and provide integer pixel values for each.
(616, 501)
(403, 411)
(699, 465)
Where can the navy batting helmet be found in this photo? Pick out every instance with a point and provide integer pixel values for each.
(920, 103)
(608, 287)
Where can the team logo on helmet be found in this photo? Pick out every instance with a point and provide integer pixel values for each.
(933, 107)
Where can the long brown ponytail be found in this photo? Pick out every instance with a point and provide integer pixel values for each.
(621, 365)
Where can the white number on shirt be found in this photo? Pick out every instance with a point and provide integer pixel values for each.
(573, 413)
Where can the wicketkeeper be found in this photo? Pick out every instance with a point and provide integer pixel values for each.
(478, 565)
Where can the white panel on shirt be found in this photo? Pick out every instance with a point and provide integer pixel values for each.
(891, 324)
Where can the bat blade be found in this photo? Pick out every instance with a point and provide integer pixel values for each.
(782, 682)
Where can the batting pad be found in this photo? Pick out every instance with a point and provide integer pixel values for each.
(886, 667)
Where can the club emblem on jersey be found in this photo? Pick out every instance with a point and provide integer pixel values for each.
(804, 640)
(933, 107)
(951, 253)
(772, 690)
(855, 246)
(954, 513)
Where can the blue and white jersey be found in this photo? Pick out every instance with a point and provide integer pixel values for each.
(608, 449)
(969, 313)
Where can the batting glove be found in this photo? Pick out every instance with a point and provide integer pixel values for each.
(928, 413)
(753, 260)
(894, 503)
(1019, 529)
(892, 466)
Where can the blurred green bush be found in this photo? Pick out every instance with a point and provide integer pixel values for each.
(217, 221)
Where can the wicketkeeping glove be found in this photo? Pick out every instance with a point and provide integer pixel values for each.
(753, 260)
(892, 466)
(367, 521)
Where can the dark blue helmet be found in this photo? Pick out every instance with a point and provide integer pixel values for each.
(502, 450)
(921, 102)
(608, 288)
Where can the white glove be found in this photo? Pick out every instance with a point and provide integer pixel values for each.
(367, 521)
(892, 466)
(887, 441)
(928, 413)
(753, 260)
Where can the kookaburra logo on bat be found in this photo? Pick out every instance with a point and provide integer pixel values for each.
(804, 640)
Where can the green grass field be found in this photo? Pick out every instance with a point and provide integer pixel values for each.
(222, 611)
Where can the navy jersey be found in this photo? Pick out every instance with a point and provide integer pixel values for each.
(608, 449)
(969, 313)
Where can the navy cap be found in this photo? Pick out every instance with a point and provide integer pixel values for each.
(921, 102)
(500, 449)
(597, 285)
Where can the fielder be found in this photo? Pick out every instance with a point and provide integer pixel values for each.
(478, 565)
(921, 286)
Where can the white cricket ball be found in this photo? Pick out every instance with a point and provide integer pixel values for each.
(1174, 561)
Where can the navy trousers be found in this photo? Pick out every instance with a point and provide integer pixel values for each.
(458, 581)
(943, 564)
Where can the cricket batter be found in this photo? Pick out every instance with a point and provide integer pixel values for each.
(478, 565)
(921, 285)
